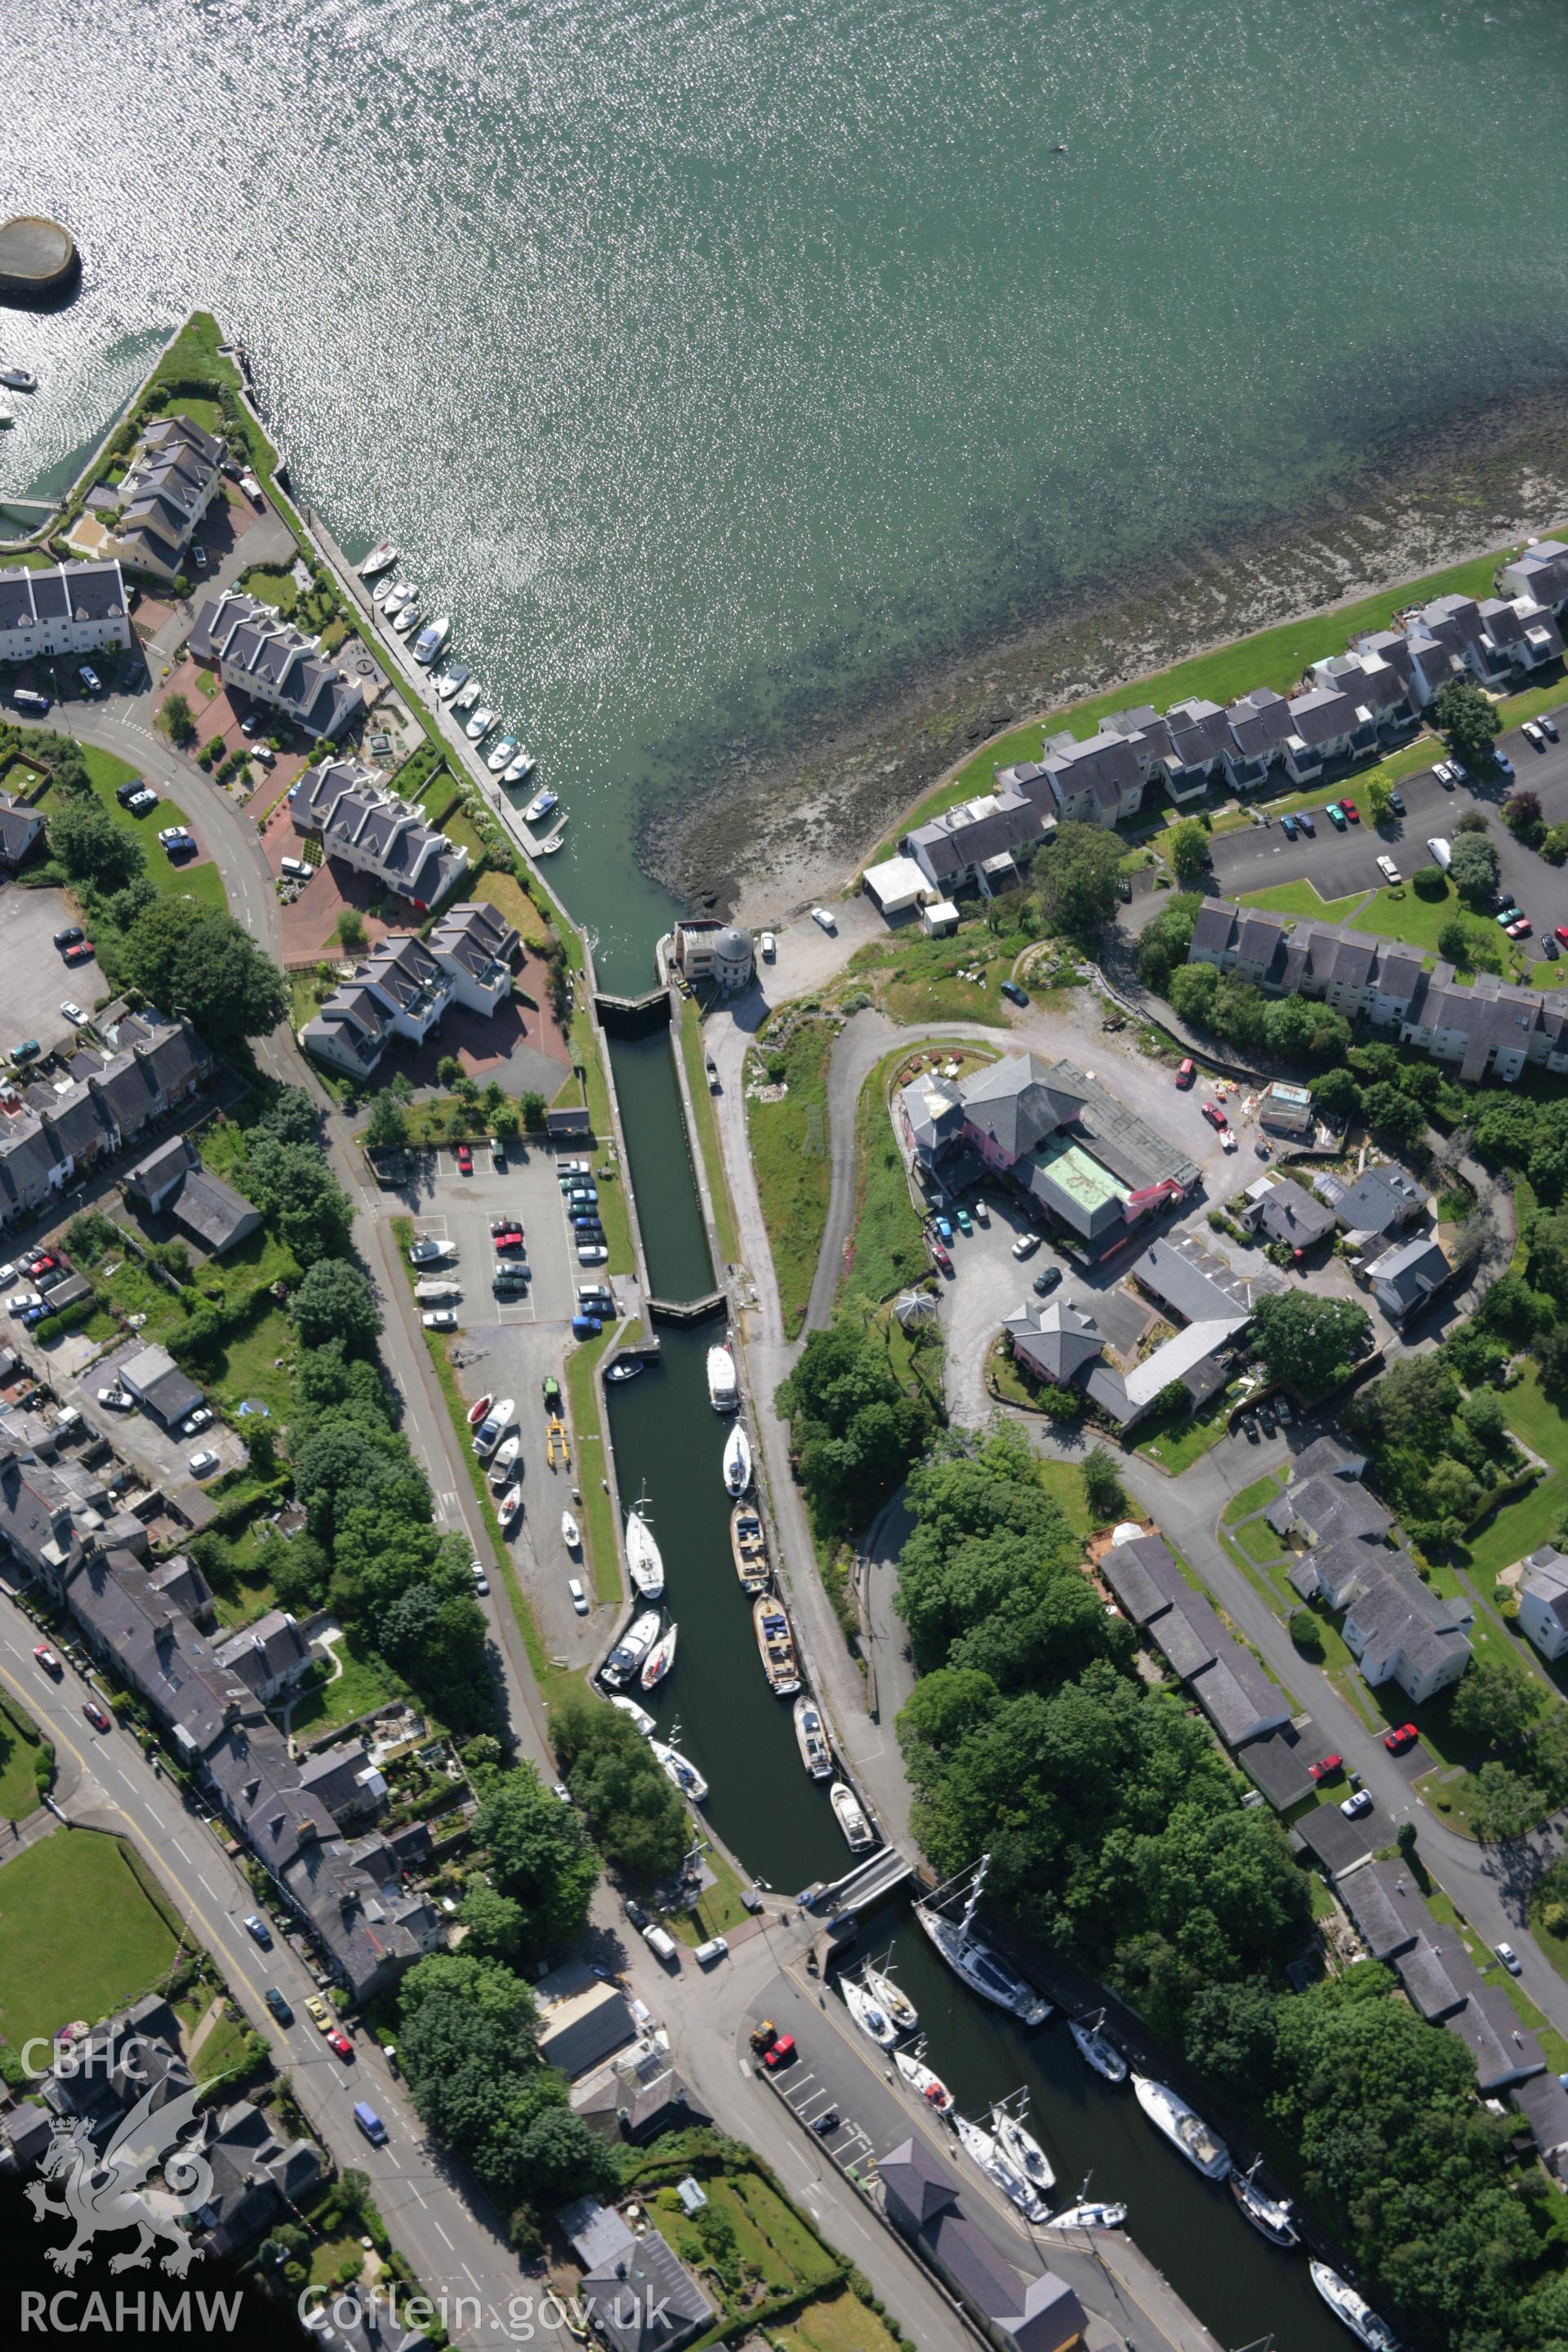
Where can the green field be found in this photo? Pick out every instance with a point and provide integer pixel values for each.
(1399, 914)
(1188, 1438)
(200, 882)
(78, 1935)
(789, 1146)
(1275, 657)
(1522, 1526)
(18, 1789)
(1301, 899)
(365, 1682)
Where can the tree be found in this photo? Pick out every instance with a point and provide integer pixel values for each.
(1379, 794)
(1553, 843)
(562, 2156)
(1337, 1093)
(1194, 988)
(1494, 1705)
(448, 1071)
(1164, 943)
(1473, 867)
(290, 1114)
(1448, 1499)
(1102, 1485)
(197, 961)
(351, 933)
(1473, 820)
(541, 1856)
(1395, 1118)
(1504, 1804)
(1522, 815)
(176, 721)
(293, 1183)
(386, 1129)
(94, 851)
(639, 1823)
(1464, 714)
(1454, 940)
(1429, 882)
(1485, 1415)
(1187, 849)
(493, 1921)
(532, 1108)
(1309, 1344)
(334, 1301)
(854, 1431)
(1078, 875)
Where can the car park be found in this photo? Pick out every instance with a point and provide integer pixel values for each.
(1288, 827)
(203, 1464)
(258, 1930)
(1348, 810)
(73, 1013)
(1387, 868)
(278, 2004)
(1326, 1768)
(48, 1660)
(1013, 992)
(1304, 820)
(97, 1715)
(1353, 1807)
(1186, 1071)
(1509, 1957)
(69, 936)
(1215, 1118)
(1397, 802)
(1025, 1246)
(1047, 1280)
(1335, 815)
(578, 1598)
(465, 1160)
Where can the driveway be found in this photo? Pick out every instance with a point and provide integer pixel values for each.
(36, 977)
(1259, 856)
(163, 1455)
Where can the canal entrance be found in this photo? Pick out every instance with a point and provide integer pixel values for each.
(669, 1442)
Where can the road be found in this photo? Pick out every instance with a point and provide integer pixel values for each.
(1258, 857)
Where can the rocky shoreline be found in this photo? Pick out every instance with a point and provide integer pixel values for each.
(759, 838)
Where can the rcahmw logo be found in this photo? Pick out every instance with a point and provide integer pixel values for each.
(129, 2314)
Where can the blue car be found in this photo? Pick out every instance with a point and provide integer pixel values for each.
(1502, 761)
(944, 1229)
(1306, 824)
(586, 1327)
(1288, 827)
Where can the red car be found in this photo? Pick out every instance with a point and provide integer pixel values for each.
(779, 2052)
(43, 1263)
(82, 953)
(941, 1256)
(1326, 1767)
(1215, 1116)
(1521, 929)
(340, 2044)
(1396, 1742)
(1563, 933)
(1187, 1072)
(96, 1716)
(1348, 810)
(509, 1237)
(465, 1160)
(48, 1660)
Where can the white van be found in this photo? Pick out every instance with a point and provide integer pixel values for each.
(825, 919)
(1439, 851)
(661, 1945)
(294, 869)
(715, 1948)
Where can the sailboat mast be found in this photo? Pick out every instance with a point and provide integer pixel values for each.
(973, 1903)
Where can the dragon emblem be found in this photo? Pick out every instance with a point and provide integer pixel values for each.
(109, 2192)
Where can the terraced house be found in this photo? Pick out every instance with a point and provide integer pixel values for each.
(50, 1133)
(174, 476)
(254, 651)
(362, 825)
(406, 986)
(1489, 1029)
(74, 608)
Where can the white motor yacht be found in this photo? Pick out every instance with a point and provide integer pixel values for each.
(388, 593)
(520, 768)
(542, 805)
(632, 1648)
(724, 1391)
(479, 725)
(17, 379)
(814, 1751)
(1183, 2127)
(850, 1815)
(405, 619)
(499, 754)
(1356, 2314)
(466, 694)
(431, 641)
(1088, 2216)
(452, 681)
(380, 559)
(639, 1714)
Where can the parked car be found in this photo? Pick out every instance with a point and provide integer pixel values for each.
(1353, 1807)
(943, 1228)
(1335, 815)
(465, 1160)
(1404, 1735)
(1326, 1768)
(339, 2040)
(981, 1213)
(439, 1319)
(121, 1399)
(508, 1238)
(1534, 735)
(963, 1219)
(48, 1660)
(573, 1168)
(1397, 802)
(1288, 827)
(1025, 1246)
(591, 1254)
(1350, 810)
(69, 936)
(1501, 761)
(73, 1013)
(1521, 929)
(769, 947)
(477, 1571)
(1047, 1280)
(1215, 1118)
(1439, 850)
(281, 2007)
(198, 1420)
(1549, 947)
(203, 1464)
(1509, 1957)
(1563, 933)
(83, 952)
(1013, 992)
(576, 1593)
(27, 1051)
(1387, 868)
(1549, 725)
(1304, 819)
(1186, 1071)
(941, 1256)
(258, 1930)
(497, 1155)
(97, 1715)
(199, 555)
(825, 919)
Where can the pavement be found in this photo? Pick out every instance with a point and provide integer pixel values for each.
(1258, 857)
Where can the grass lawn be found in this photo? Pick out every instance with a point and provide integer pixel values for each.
(1188, 1439)
(1273, 657)
(1522, 1525)
(275, 588)
(1252, 1498)
(708, 1132)
(365, 1682)
(18, 1789)
(506, 894)
(78, 1935)
(201, 882)
(771, 2239)
(223, 2047)
(1301, 899)
(597, 1509)
(246, 1593)
(913, 979)
(1063, 1482)
(887, 1243)
(789, 1146)
(1399, 914)
(1259, 1542)
(838, 2322)
(258, 1368)
(329, 2257)
(717, 1909)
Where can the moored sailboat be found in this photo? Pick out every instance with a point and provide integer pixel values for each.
(872, 2019)
(981, 1968)
(897, 2004)
(660, 1658)
(680, 1770)
(923, 2080)
(737, 1461)
(1097, 2048)
(1021, 2149)
(982, 2149)
(1269, 2216)
(645, 1564)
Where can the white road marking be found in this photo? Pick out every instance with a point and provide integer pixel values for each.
(468, 2273)
(179, 1849)
(205, 1884)
(445, 2240)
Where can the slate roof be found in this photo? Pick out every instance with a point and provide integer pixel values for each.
(1144, 1577)
(1382, 1201)
(1057, 1340)
(1410, 1274)
(1386, 1913)
(1328, 1507)
(1287, 1214)
(1545, 1578)
(646, 2300)
(1543, 2103)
